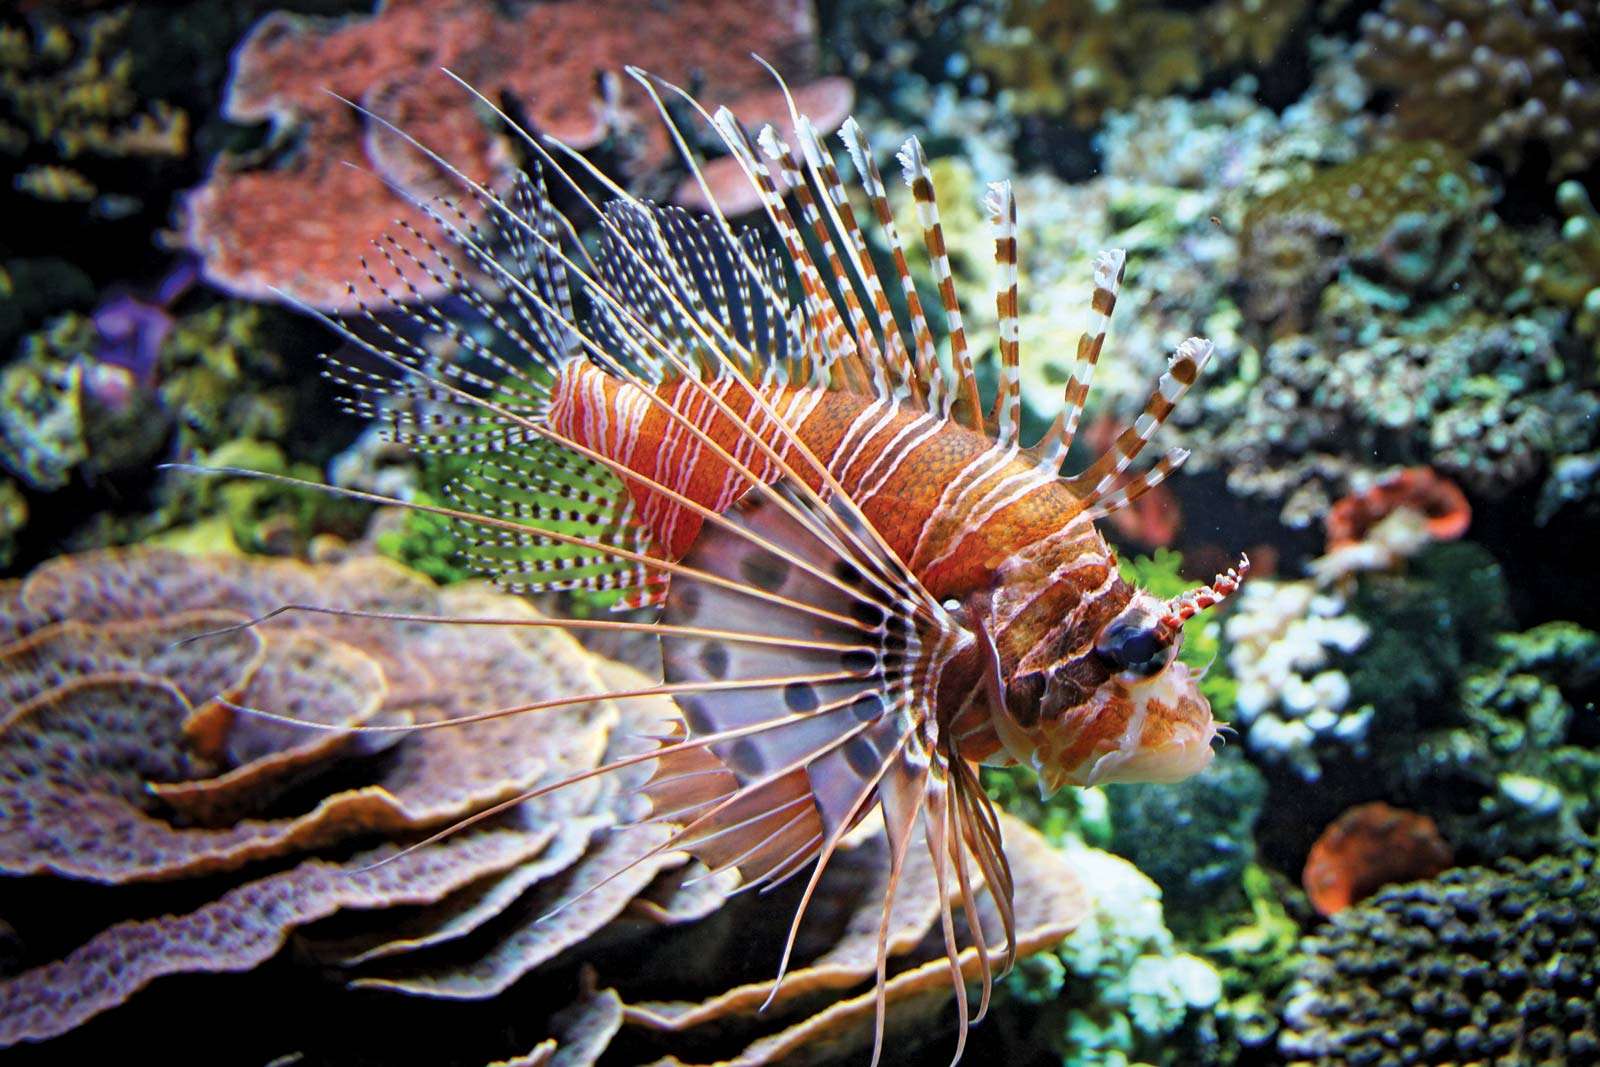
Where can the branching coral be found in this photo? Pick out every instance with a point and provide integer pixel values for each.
(124, 759)
(292, 219)
(69, 116)
(1490, 77)
(1478, 965)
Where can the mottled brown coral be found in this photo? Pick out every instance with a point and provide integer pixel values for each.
(1490, 76)
(297, 219)
(1082, 58)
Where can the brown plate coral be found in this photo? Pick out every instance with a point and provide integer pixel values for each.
(153, 835)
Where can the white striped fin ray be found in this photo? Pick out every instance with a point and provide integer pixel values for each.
(1097, 482)
(696, 258)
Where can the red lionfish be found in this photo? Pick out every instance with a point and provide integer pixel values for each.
(866, 585)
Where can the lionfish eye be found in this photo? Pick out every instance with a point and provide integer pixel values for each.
(1136, 643)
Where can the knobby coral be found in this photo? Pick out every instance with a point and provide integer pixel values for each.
(125, 761)
(1483, 964)
(1490, 76)
(292, 218)
(1286, 641)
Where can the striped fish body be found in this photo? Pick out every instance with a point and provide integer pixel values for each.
(992, 533)
(934, 490)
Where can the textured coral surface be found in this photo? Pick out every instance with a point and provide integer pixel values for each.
(298, 220)
(127, 759)
(1483, 964)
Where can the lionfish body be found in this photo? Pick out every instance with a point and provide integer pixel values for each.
(864, 584)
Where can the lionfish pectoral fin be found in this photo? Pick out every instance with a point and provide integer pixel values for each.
(843, 690)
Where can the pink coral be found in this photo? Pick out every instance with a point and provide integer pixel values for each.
(297, 220)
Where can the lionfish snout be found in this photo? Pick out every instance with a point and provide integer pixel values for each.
(1147, 720)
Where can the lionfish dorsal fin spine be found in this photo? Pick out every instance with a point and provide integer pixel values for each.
(897, 369)
(1108, 269)
(927, 377)
(1001, 206)
(1097, 482)
(914, 168)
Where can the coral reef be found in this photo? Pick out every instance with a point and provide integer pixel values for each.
(1569, 274)
(1382, 526)
(1368, 847)
(1288, 644)
(1367, 306)
(70, 120)
(1489, 77)
(1479, 965)
(1080, 59)
(128, 760)
(1399, 224)
(1118, 989)
(1194, 839)
(1517, 771)
(293, 217)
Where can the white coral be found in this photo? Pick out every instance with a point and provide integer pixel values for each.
(1282, 639)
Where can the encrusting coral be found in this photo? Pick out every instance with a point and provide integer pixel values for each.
(1369, 847)
(124, 760)
(294, 217)
(1483, 964)
(1518, 753)
(1489, 76)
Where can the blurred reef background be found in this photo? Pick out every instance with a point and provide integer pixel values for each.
(1382, 211)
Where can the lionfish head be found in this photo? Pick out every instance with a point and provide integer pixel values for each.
(1128, 710)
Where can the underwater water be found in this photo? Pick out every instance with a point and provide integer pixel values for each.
(291, 316)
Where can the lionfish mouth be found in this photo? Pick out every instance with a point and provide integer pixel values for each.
(1168, 735)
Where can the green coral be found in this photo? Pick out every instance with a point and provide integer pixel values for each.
(1257, 959)
(63, 413)
(1194, 838)
(1391, 225)
(427, 543)
(1524, 746)
(13, 517)
(1428, 627)
(1080, 58)
(1483, 964)
(223, 376)
(1117, 990)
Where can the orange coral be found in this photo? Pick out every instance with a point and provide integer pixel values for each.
(290, 221)
(1368, 847)
(1440, 501)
